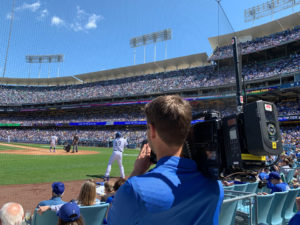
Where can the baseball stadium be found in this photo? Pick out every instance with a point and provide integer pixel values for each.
(68, 93)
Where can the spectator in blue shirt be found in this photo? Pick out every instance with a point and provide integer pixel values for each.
(174, 192)
(58, 189)
(69, 214)
(296, 218)
(275, 183)
(264, 174)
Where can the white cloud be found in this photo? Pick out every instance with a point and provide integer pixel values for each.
(92, 21)
(32, 7)
(44, 13)
(85, 21)
(8, 16)
(56, 21)
(80, 12)
(76, 26)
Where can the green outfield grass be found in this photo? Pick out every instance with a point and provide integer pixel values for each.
(28, 169)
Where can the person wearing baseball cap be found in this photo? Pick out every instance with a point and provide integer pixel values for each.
(69, 214)
(58, 189)
(118, 148)
(275, 183)
(296, 218)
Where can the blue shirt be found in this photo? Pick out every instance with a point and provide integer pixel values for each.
(295, 219)
(174, 192)
(278, 187)
(52, 201)
(263, 176)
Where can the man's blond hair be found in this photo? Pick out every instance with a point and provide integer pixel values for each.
(171, 116)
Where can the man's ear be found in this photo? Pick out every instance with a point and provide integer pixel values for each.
(152, 131)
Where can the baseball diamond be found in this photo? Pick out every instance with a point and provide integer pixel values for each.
(150, 112)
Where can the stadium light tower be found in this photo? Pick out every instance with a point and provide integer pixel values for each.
(268, 8)
(12, 15)
(44, 59)
(146, 39)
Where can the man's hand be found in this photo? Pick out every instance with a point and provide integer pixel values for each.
(42, 209)
(142, 163)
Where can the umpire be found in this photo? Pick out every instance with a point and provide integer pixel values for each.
(75, 143)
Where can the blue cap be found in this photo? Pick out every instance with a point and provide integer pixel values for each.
(274, 175)
(58, 188)
(69, 212)
(118, 134)
(263, 176)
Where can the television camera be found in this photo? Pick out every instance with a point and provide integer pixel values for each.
(237, 143)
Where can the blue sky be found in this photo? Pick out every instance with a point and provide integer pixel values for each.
(94, 35)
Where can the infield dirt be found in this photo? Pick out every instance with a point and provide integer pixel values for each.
(27, 150)
(29, 195)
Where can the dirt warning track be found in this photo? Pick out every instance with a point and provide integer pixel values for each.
(28, 150)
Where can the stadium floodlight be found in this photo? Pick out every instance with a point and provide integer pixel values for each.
(151, 38)
(45, 59)
(268, 8)
(12, 15)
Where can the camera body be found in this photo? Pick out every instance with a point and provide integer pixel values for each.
(234, 143)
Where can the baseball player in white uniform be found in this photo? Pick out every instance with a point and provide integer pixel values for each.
(118, 147)
(53, 141)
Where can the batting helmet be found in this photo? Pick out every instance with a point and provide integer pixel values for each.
(118, 135)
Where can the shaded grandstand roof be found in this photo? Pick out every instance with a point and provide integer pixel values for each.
(130, 71)
(275, 26)
(147, 68)
(40, 81)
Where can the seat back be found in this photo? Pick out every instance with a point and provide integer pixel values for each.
(94, 215)
(252, 187)
(295, 206)
(290, 175)
(263, 203)
(227, 213)
(274, 215)
(287, 210)
(240, 187)
(47, 218)
(228, 188)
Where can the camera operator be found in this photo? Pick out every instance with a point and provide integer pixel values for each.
(174, 191)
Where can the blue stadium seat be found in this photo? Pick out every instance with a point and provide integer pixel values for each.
(283, 178)
(228, 188)
(290, 175)
(240, 187)
(47, 218)
(94, 215)
(227, 214)
(263, 203)
(274, 215)
(252, 187)
(295, 206)
(287, 210)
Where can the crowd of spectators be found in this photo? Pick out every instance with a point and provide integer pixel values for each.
(290, 136)
(284, 109)
(258, 44)
(288, 108)
(207, 76)
(66, 135)
(30, 120)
